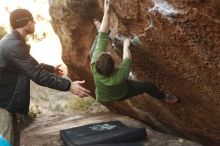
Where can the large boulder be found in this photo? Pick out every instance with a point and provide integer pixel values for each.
(180, 53)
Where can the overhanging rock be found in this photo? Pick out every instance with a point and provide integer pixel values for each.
(180, 54)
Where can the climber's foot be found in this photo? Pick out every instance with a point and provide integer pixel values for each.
(120, 38)
(117, 47)
(170, 99)
(136, 42)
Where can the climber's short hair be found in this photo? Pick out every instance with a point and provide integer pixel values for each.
(105, 64)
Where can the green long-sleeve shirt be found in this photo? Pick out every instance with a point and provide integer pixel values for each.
(113, 87)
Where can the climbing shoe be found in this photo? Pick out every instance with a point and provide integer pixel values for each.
(136, 42)
(117, 47)
(117, 42)
(170, 99)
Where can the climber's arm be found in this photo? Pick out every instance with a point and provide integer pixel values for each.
(126, 50)
(106, 18)
(103, 33)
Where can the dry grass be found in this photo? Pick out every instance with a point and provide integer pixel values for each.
(87, 104)
(62, 2)
(49, 100)
(3, 31)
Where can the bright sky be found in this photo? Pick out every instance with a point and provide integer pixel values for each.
(49, 49)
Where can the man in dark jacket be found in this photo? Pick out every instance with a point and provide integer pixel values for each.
(17, 67)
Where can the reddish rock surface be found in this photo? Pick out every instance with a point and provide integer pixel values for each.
(180, 54)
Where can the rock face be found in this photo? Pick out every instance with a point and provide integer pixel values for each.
(180, 54)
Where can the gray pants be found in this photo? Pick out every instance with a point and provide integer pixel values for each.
(9, 127)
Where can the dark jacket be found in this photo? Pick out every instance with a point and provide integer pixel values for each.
(17, 67)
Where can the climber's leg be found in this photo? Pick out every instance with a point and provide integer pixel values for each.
(139, 87)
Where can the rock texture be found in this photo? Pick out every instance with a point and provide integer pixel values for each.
(45, 130)
(180, 54)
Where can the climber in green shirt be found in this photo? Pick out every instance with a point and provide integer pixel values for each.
(112, 83)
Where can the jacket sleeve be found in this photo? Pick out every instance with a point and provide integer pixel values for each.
(21, 58)
(47, 67)
(100, 46)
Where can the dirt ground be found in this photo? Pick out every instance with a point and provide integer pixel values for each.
(45, 130)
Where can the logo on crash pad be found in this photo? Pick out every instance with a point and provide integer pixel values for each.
(103, 127)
